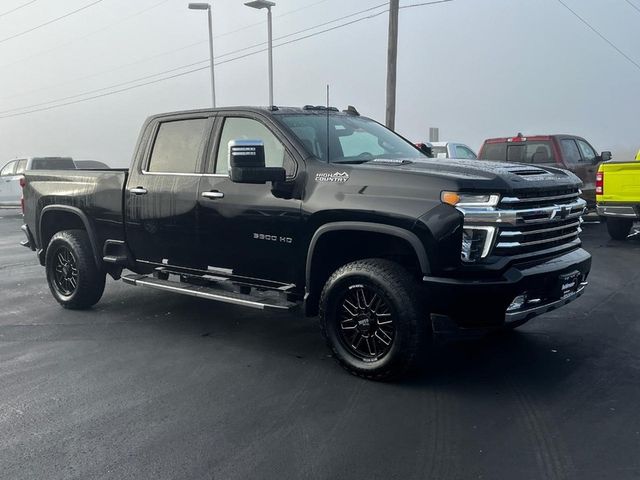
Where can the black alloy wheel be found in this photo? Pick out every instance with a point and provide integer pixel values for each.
(367, 326)
(75, 278)
(374, 318)
(65, 276)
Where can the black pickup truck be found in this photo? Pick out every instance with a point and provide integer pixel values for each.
(274, 208)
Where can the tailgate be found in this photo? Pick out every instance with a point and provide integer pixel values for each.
(621, 182)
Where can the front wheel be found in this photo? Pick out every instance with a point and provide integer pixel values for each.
(74, 279)
(619, 228)
(372, 319)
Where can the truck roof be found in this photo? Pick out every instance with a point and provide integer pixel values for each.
(276, 110)
(524, 138)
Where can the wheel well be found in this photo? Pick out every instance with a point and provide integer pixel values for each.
(337, 248)
(55, 221)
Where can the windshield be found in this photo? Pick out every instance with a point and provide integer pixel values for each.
(350, 139)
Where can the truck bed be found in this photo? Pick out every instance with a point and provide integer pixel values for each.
(97, 194)
(621, 182)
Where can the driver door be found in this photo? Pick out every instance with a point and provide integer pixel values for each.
(247, 229)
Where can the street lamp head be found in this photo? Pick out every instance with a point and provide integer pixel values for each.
(260, 4)
(199, 6)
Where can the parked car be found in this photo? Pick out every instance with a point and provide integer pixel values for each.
(452, 150)
(12, 172)
(565, 151)
(271, 209)
(90, 165)
(618, 196)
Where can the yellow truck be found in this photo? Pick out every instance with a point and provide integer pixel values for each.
(618, 196)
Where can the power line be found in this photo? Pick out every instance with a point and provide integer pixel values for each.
(187, 72)
(146, 77)
(593, 29)
(633, 5)
(17, 8)
(111, 25)
(424, 3)
(233, 52)
(2, 114)
(135, 14)
(107, 93)
(49, 22)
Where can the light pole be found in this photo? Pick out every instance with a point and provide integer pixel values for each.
(259, 4)
(207, 7)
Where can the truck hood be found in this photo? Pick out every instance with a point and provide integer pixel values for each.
(478, 175)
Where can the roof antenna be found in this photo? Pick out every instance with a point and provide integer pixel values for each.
(328, 158)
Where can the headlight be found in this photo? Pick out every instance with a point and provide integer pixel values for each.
(457, 199)
(476, 242)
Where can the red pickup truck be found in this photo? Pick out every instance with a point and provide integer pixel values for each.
(565, 151)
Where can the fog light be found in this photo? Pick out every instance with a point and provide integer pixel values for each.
(517, 303)
(476, 242)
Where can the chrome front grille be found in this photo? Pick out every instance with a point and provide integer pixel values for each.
(539, 222)
(528, 224)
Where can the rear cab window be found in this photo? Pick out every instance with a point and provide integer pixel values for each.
(53, 163)
(520, 151)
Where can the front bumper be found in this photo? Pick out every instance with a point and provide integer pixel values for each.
(620, 211)
(489, 302)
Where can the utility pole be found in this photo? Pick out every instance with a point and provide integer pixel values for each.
(392, 56)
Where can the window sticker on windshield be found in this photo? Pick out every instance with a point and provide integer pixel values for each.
(335, 177)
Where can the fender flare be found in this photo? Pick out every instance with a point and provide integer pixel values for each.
(399, 232)
(83, 218)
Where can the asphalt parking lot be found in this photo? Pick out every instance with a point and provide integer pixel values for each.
(149, 385)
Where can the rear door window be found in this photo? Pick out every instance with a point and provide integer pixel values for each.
(178, 146)
(570, 151)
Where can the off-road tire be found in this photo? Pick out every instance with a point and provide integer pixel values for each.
(619, 228)
(74, 247)
(398, 290)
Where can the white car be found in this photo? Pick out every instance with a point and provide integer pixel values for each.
(11, 173)
(452, 150)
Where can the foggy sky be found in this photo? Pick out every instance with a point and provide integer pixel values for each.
(473, 68)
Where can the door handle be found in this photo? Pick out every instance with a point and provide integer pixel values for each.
(138, 191)
(213, 194)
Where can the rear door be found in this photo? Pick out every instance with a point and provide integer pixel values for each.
(161, 197)
(250, 230)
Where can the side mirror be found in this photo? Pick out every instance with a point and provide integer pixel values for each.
(425, 148)
(247, 163)
(605, 156)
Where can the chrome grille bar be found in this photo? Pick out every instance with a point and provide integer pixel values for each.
(538, 242)
(538, 199)
(515, 233)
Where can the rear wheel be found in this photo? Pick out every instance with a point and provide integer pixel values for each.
(619, 228)
(371, 318)
(73, 276)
